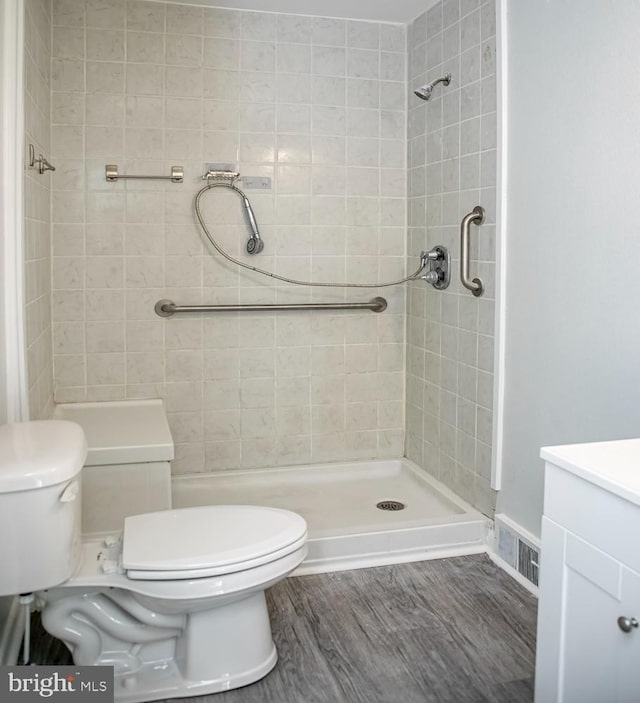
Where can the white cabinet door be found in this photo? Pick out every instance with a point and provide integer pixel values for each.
(628, 650)
(583, 655)
(590, 634)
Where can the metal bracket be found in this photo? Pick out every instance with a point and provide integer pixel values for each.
(439, 261)
(221, 177)
(226, 173)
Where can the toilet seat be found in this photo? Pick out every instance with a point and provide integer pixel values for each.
(208, 541)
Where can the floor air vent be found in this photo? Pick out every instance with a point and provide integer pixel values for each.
(519, 551)
(528, 561)
(390, 505)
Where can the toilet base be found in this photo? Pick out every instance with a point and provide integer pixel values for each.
(159, 681)
(158, 654)
(167, 638)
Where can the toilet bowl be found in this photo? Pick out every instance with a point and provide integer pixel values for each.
(175, 602)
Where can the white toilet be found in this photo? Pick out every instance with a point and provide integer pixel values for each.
(175, 603)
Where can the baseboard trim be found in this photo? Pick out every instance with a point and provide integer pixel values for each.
(11, 633)
(369, 561)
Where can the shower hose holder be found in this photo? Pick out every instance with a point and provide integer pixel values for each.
(223, 177)
(438, 261)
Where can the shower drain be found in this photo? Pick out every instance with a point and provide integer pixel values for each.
(390, 505)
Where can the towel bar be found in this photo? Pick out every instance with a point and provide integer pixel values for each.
(112, 175)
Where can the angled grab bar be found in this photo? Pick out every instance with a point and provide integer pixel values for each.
(476, 216)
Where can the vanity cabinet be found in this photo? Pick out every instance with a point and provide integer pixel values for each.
(588, 645)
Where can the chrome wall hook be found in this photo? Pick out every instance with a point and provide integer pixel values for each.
(41, 163)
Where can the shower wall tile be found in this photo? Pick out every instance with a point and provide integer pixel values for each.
(40, 45)
(318, 105)
(451, 168)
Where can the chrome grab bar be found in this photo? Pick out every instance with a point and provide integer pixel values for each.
(477, 216)
(167, 308)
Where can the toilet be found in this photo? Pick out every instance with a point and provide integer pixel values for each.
(175, 601)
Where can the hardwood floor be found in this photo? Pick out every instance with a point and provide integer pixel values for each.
(446, 631)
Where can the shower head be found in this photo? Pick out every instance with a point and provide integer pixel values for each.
(255, 244)
(424, 93)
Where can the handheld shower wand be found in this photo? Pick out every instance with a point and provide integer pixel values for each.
(226, 179)
(255, 244)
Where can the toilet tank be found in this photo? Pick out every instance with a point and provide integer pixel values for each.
(127, 470)
(40, 505)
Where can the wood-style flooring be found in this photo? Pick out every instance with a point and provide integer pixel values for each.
(446, 631)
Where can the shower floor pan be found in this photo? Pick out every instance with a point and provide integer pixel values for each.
(338, 501)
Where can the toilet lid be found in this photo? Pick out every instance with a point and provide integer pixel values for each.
(213, 538)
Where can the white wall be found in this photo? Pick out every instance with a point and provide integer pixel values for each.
(573, 338)
(3, 204)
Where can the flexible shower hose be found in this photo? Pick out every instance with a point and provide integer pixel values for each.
(233, 260)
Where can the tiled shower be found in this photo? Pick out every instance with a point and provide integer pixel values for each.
(451, 169)
(356, 161)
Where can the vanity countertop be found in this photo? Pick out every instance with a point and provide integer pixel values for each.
(614, 466)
